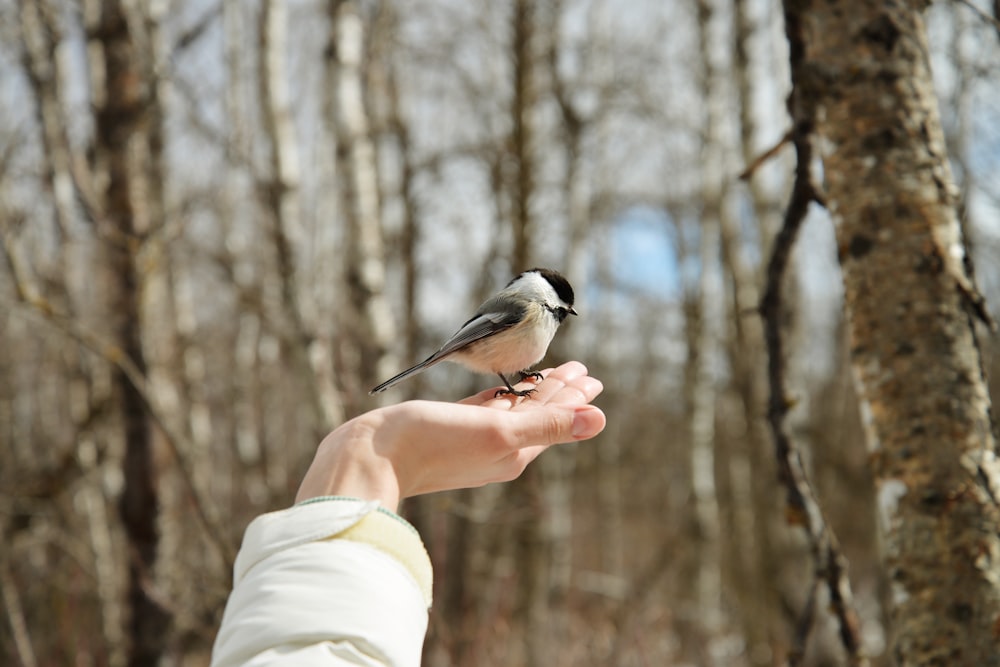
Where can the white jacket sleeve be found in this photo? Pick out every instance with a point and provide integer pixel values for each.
(330, 582)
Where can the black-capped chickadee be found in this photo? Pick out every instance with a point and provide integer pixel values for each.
(509, 333)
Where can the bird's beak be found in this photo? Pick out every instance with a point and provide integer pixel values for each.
(571, 311)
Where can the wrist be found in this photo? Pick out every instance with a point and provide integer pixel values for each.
(347, 464)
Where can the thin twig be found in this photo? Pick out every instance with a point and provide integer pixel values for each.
(15, 616)
(802, 505)
(992, 20)
(804, 626)
(765, 156)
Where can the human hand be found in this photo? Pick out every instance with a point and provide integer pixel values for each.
(419, 447)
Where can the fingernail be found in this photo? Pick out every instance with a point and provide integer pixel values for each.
(587, 422)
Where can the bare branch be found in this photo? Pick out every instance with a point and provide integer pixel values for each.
(43, 312)
(802, 504)
(15, 616)
(992, 20)
(765, 156)
(195, 31)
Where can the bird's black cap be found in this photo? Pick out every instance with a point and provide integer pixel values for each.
(558, 282)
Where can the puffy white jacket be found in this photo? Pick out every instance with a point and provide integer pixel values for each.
(329, 582)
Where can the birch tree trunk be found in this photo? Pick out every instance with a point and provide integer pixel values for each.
(411, 234)
(118, 101)
(284, 201)
(41, 37)
(559, 464)
(522, 138)
(248, 428)
(539, 486)
(368, 317)
(703, 348)
(911, 307)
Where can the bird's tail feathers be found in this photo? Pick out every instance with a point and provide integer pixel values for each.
(396, 379)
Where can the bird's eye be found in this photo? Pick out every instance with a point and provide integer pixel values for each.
(559, 312)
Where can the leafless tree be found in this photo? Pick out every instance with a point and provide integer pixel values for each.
(912, 308)
(222, 222)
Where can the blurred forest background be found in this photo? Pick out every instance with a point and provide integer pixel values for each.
(224, 221)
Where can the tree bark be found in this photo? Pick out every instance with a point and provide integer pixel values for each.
(284, 203)
(532, 493)
(243, 263)
(411, 235)
(119, 99)
(372, 328)
(911, 307)
(522, 139)
(703, 349)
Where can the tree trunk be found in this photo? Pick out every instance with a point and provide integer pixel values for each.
(284, 203)
(523, 102)
(911, 306)
(369, 316)
(119, 100)
(412, 233)
(533, 492)
(244, 264)
(704, 335)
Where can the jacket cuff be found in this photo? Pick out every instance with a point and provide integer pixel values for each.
(338, 517)
(394, 535)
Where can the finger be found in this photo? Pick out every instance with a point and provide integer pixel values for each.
(552, 425)
(553, 380)
(490, 395)
(568, 384)
(578, 392)
(567, 372)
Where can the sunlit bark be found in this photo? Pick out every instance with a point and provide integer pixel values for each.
(368, 320)
(912, 310)
(284, 202)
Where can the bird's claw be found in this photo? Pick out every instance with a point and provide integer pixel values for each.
(514, 392)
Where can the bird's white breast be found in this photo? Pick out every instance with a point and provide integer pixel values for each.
(516, 349)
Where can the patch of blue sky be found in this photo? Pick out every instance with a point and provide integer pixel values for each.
(983, 154)
(643, 253)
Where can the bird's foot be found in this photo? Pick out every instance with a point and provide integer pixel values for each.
(514, 392)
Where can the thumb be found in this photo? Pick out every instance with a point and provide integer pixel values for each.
(552, 425)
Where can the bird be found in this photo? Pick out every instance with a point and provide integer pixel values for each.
(509, 333)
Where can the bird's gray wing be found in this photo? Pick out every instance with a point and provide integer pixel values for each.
(481, 326)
